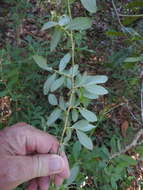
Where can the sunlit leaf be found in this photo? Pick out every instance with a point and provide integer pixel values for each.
(57, 84)
(41, 62)
(52, 99)
(83, 125)
(96, 89)
(80, 23)
(74, 115)
(48, 83)
(64, 61)
(90, 116)
(84, 140)
(54, 116)
(89, 5)
(64, 20)
(48, 25)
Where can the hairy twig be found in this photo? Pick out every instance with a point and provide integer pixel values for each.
(72, 79)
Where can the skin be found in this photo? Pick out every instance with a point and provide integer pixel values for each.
(30, 155)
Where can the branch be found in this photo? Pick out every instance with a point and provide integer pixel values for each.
(114, 6)
(130, 146)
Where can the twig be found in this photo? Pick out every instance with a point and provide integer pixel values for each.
(72, 80)
(122, 15)
(114, 6)
(132, 114)
(128, 147)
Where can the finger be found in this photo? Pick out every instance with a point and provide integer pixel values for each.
(32, 185)
(25, 168)
(58, 180)
(66, 172)
(25, 139)
(43, 183)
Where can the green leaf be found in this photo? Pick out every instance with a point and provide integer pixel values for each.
(127, 159)
(89, 5)
(134, 59)
(57, 84)
(76, 149)
(91, 80)
(83, 125)
(131, 31)
(49, 24)
(90, 95)
(64, 61)
(54, 116)
(74, 70)
(80, 23)
(74, 115)
(90, 116)
(84, 140)
(48, 83)
(41, 62)
(62, 103)
(96, 89)
(52, 99)
(64, 20)
(68, 83)
(55, 39)
(73, 175)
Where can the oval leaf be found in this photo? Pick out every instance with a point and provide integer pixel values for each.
(88, 115)
(133, 59)
(84, 140)
(55, 39)
(41, 62)
(54, 116)
(49, 24)
(74, 115)
(52, 99)
(96, 89)
(64, 20)
(80, 23)
(64, 61)
(89, 5)
(48, 84)
(90, 95)
(73, 175)
(62, 103)
(57, 84)
(83, 125)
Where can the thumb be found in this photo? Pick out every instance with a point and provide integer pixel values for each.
(19, 169)
(47, 165)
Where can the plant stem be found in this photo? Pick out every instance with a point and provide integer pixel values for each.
(114, 6)
(72, 79)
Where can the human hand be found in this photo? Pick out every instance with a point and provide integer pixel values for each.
(28, 154)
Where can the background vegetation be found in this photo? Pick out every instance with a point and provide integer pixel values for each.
(112, 46)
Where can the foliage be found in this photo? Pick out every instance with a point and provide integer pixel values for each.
(73, 107)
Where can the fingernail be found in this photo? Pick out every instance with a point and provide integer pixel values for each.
(56, 165)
